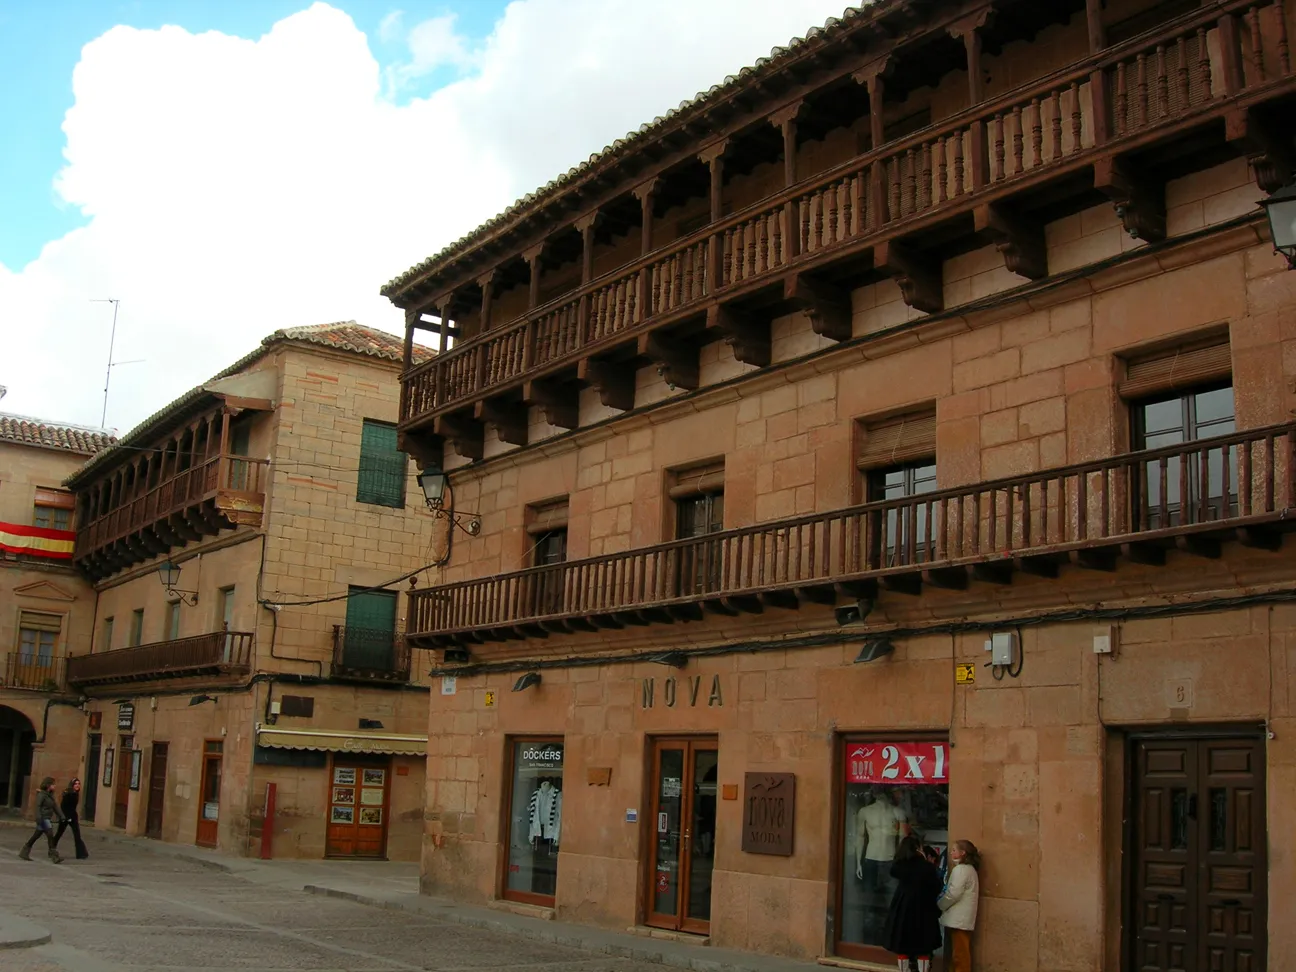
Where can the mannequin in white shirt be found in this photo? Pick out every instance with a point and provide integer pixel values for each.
(879, 825)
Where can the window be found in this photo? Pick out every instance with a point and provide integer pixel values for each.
(383, 467)
(698, 493)
(171, 630)
(225, 604)
(369, 638)
(38, 636)
(894, 787)
(106, 644)
(535, 819)
(53, 509)
(896, 462)
(137, 627)
(546, 526)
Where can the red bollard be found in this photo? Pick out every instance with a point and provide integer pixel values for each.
(267, 823)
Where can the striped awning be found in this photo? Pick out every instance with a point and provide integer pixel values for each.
(329, 741)
(37, 541)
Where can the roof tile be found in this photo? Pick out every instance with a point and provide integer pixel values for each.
(54, 435)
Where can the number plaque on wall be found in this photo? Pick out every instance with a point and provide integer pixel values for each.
(769, 802)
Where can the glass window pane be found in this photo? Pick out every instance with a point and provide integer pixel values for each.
(1215, 407)
(1163, 421)
(702, 838)
(535, 818)
(669, 832)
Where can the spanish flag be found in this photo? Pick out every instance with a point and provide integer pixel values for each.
(37, 541)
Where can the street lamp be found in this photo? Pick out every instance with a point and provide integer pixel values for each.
(1280, 207)
(169, 574)
(434, 482)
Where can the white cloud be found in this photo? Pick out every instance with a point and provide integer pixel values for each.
(433, 44)
(389, 29)
(237, 186)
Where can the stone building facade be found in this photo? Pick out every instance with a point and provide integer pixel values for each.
(46, 607)
(271, 658)
(894, 441)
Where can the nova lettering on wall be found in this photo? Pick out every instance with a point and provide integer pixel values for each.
(690, 690)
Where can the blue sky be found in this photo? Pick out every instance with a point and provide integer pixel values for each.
(40, 44)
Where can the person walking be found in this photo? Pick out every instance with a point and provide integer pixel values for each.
(47, 811)
(958, 905)
(913, 922)
(72, 819)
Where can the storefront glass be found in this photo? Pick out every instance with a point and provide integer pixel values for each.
(535, 819)
(893, 788)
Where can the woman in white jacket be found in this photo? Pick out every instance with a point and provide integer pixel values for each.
(958, 905)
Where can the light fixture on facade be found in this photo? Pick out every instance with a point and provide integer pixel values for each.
(853, 613)
(434, 481)
(526, 681)
(673, 659)
(169, 574)
(1280, 207)
(370, 724)
(874, 649)
(200, 699)
(457, 656)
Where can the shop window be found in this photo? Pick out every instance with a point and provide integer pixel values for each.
(53, 509)
(897, 464)
(136, 627)
(1177, 396)
(38, 636)
(894, 788)
(369, 638)
(535, 819)
(698, 494)
(546, 527)
(383, 467)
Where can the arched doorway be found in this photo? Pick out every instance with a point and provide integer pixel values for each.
(16, 737)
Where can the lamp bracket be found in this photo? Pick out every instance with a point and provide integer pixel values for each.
(186, 597)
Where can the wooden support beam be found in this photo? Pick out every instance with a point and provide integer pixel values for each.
(1151, 554)
(1266, 143)
(860, 590)
(1259, 538)
(785, 120)
(580, 623)
(1139, 201)
(465, 435)
(780, 599)
(827, 306)
(947, 578)
(555, 626)
(749, 338)
(919, 278)
(1021, 241)
(1207, 547)
(745, 604)
(1104, 560)
(425, 449)
(657, 615)
(717, 605)
(634, 618)
(818, 594)
(614, 381)
(646, 193)
(1044, 565)
(607, 621)
(533, 631)
(559, 402)
(910, 584)
(677, 363)
(1000, 572)
(685, 612)
(508, 419)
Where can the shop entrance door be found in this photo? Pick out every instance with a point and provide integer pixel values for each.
(358, 798)
(121, 788)
(1199, 889)
(683, 834)
(156, 791)
(209, 794)
(90, 785)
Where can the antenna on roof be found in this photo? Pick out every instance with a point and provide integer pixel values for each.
(112, 339)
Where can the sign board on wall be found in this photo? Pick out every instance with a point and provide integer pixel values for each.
(769, 805)
(897, 764)
(126, 716)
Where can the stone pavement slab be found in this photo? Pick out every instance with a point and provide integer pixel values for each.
(16, 932)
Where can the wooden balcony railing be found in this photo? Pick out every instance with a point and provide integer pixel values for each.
(1193, 496)
(235, 484)
(370, 655)
(36, 673)
(1148, 88)
(216, 653)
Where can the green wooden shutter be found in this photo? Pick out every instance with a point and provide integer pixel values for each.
(370, 638)
(383, 467)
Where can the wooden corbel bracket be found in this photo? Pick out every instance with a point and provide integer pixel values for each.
(614, 382)
(1266, 144)
(918, 277)
(1140, 202)
(749, 338)
(1021, 241)
(676, 363)
(560, 403)
(828, 306)
(508, 419)
(465, 435)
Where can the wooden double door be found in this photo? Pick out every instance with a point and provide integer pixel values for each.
(1199, 861)
(358, 806)
(683, 841)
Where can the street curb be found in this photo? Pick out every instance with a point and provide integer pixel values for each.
(540, 930)
(18, 932)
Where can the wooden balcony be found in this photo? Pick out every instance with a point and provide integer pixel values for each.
(1116, 126)
(216, 494)
(367, 655)
(1132, 507)
(36, 674)
(217, 654)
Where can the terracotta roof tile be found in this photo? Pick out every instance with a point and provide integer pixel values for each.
(54, 435)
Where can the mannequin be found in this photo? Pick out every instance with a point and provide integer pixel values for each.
(545, 812)
(879, 825)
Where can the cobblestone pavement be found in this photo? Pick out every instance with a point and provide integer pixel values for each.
(127, 911)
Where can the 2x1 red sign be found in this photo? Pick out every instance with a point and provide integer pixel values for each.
(897, 764)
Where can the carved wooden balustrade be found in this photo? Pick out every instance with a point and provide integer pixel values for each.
(1133, 506)
(1226, 57)
(217, 653)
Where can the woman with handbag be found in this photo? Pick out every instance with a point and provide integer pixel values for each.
(71, 818)
(47, 811)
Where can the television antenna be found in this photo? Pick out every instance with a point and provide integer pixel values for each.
(112, 340)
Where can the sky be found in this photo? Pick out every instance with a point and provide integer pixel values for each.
(225, 168)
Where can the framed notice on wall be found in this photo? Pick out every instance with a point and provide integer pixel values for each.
(108, 766)
(137, 759)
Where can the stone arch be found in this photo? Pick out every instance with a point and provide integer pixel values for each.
(17, 733)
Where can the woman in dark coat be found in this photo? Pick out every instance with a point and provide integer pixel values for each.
(913, 923)
(71, 818)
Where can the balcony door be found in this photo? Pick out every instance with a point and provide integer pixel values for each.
(209, 793)
(369, 638)
(684, 834)
(700, 567)
(1204, 487)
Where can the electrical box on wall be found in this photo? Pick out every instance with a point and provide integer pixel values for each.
(1104, 640)
(1003, 648)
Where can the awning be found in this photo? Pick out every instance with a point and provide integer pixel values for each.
(323, 740)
